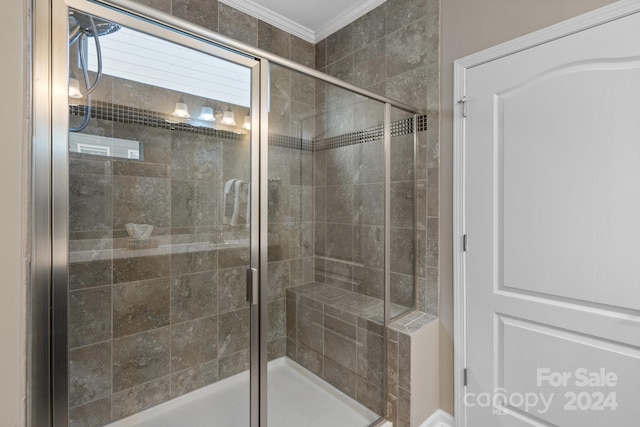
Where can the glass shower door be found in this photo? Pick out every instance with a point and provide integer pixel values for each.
(160, 234)
(325, 284)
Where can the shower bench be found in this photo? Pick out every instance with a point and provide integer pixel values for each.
(339, 335)
(358, 309)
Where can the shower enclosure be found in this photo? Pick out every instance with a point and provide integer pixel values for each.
(223, 234)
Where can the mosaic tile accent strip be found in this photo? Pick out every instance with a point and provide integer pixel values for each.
(398, 128)
(421, 123)
(402, 127)
(368, 135)
(131, 115)
(138, 116)
(290, 142)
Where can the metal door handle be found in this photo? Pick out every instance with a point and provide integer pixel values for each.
(252, 286)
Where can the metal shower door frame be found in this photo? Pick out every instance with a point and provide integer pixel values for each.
(49, 363)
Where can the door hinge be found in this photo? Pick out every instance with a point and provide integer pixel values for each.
(464, 243)
(464, 103)
(464, 376)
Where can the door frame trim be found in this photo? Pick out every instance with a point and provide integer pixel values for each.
(580, 23)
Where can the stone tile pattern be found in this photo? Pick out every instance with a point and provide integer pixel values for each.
(349, 217)
(149, 328)
(290, 190)
(338, 335)
(392, 50)
(164, 353)
(146, 328)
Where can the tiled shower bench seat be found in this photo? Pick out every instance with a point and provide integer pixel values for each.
(343, 303)
(339, 335)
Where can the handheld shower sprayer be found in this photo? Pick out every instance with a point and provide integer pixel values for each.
(81, 27)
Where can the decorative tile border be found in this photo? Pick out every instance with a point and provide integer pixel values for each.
(376, 133)
(290, 142)
(131, 115)
(358, 137)
(421, 123)
(138, 116)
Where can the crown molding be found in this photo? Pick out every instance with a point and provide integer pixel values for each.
(267, 15)
(270, 17)
(345, 18)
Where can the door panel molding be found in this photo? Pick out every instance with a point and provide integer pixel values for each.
(465, 108)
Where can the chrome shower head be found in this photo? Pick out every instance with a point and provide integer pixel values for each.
(79, 22)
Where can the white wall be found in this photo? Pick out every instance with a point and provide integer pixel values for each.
(12, 80)
(469, 26)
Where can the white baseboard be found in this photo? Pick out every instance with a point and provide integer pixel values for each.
(439, 419)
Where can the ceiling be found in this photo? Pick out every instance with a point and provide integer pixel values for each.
(311, 20)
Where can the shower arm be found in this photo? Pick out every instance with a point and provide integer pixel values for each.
(74, 33)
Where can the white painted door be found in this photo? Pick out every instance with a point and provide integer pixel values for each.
(552, 213)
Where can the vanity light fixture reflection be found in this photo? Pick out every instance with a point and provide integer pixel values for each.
(181, 110)
(206, 114)
(247, 122)
(228, 118)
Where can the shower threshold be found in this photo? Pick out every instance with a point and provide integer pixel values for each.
(296, 398)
